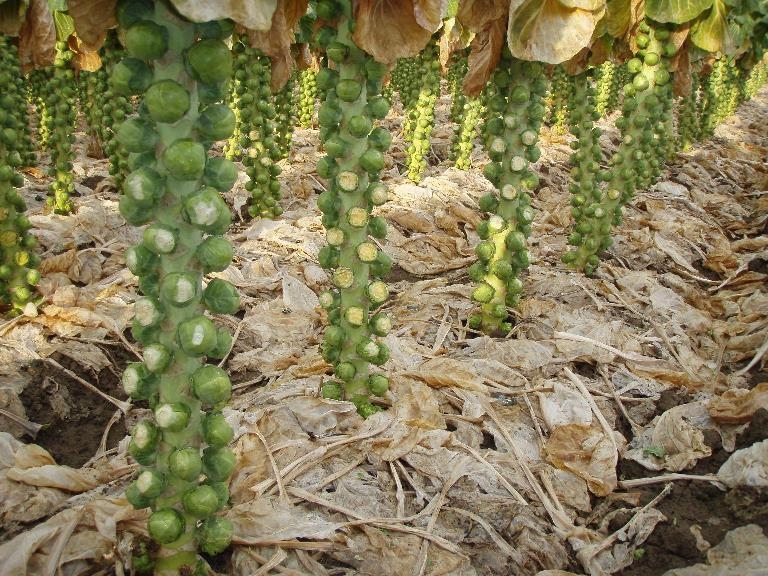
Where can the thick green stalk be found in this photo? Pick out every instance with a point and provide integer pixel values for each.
(464, 138)
(644, 125)
(18, 274)
(687, 121)
(182, 70)
(61, 103)
(423, 115)
(307, 97)
(285, 115)
(352, 165)
(516, 113)
(558, 101)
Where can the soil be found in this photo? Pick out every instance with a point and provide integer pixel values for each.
(696, 506)
(74, 418)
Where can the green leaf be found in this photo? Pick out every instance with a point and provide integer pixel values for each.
(65, 25)
(677, 11)
(711, 32)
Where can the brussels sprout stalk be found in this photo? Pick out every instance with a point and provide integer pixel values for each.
(352, 164)
(516, 113)
(18, 274)
(645, 127)
(181, 68)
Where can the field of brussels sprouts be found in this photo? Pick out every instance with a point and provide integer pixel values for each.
(281, 296)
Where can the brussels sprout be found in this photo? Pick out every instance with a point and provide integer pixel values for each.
(207, 211)
(197, 336)
(185, 463)
(150, 484)
(130, 76)
(201, 501)
(166, 525)
(210, 61)
(179, 288)
(215, 535)
(184, 159)
(211, 385)
(221, 297)
(220, 173)
(172, 417)
(146, 40)
(216, 431)
(218, 463)
(214, 254)
(216, 122)
(167, 101)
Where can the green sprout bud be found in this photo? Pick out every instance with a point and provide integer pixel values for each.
(166, 526)
(355, 316)
(215, 535)
(380, 324)
(221, 297)
(218, 463)
(157, 358)
(343, 277)
(211, 385)
(378, 384)
(201, 501)
(150, 484)
(185, 463)
(216, 431)
(483, 293)
(377, 292)
(197, 336)
(172, 417)
(179, 288)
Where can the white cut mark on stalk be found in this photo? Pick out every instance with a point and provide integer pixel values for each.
(204, 213)
(145, 481)
(145, 311)
(165, 241)
(165, 415)
(198, 335)
(185, 290)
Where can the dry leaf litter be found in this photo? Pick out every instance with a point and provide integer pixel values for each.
(495, 455)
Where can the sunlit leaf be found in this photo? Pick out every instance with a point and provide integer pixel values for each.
(37, 37)
(430, 13)
(276, 42)
(390, 29)
(84, 57)
(711, 32)
(622, 16)
(252, 15)
(677, 11)
(453, 37)
(64, 25)
(92, 20)
(548, 31)
(484, 56)
(11, 16)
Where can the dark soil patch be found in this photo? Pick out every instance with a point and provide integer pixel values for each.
(74, 417)
(672, 544)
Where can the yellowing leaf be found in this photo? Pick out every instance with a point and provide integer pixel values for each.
(391, 29)
(711, 33)
(622, 16)
(677, 11)
(92, 20)
(429, 13)
(37, 38)
(252, 15)
(548, 31)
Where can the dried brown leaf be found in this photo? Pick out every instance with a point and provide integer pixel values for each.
(484, 56)
(84, 57)
(429, 13)
(392, 29)
(37, 38)
(92, 20)
(447, 372)
(586, 451)
(252, 15)
(475, 15)
(738, 406)
(533, 24)
(277, 41)
(58, 263)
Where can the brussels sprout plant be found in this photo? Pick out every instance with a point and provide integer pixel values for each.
(354, 158)
(181, 71)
